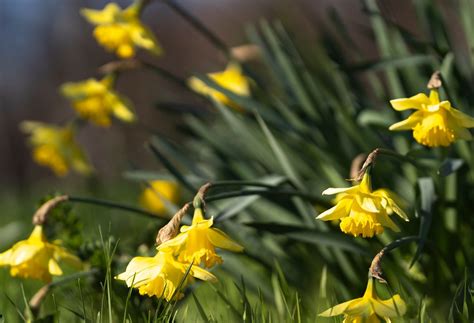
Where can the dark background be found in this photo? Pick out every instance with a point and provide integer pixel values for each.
(46, 43)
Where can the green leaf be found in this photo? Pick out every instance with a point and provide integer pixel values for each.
(201, 311)
(427, 199)
(306, 235)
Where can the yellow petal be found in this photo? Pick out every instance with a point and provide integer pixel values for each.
(63, 255)
(335, 190)
(54, 268)
(392, 307)
(338, 309)
(203, 274)
(99, 17)
(414, 102)
(463, 119)
(341, 209)
(174, 243)
(24, 251)
(367, 203)
(122, 111)
(143, 37)
(409, 123)
(385, 220)
(222, 240)
(5, 258)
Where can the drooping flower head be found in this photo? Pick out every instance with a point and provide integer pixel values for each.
(230, 79)
(361, 211)
(120, 31)
(96, 101)
(56, 148)
(197, 243)
(368, 308)
(37, 258)
(434, 123)
(155, 196)
(161, 275)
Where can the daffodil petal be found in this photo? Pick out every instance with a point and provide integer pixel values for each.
(63, 255)
(360, 306)
(337, 190)
(24, 251)
(104, 16)
(122, 111)
(407, 124)
(341, 209)
(143, 37)
(53, 268)
(173, 243)
(463, 119)
(338, 309)
(221, 240)
(414, 102)
(392, 307)
(367, 203)
(203, 274)
(5, 258)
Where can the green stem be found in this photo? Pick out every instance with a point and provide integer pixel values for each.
(105, 203)
(399, 242)
(308, 197)
(242, 183)
(199, 26)
(391, 153)
(166, 74)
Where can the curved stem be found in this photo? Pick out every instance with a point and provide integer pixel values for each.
(375, 269)
(306, 196)
(105, 203)
(242, 183)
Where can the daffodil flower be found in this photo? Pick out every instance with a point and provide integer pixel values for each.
(120, 31)
(434, 123)
(361, 211)
(161, 275)
(368, 308)
(96, 101)
(197, 243)
(37, 258)
(56, 148)
(230, 79)
(159, 192)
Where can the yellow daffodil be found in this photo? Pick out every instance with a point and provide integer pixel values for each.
(434, 123)
(155, 196)
(197, 243)
(96, 101)
(120, 31)
(161, 275)
(56, 148)
(361, 211)
(368, 308)
(230, 79)
(37, 258)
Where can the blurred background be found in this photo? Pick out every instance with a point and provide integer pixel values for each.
(47, 43)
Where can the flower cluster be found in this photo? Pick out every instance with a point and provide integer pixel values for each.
(178, 260)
